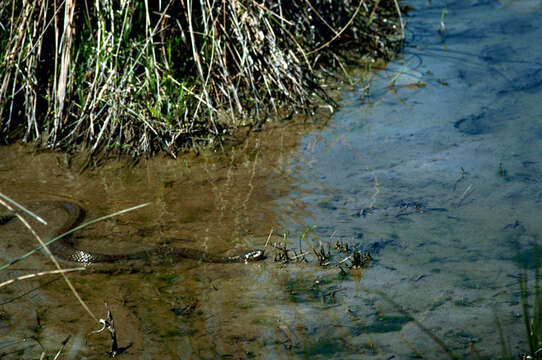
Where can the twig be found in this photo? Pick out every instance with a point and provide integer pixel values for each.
(400, 19)
(268, 238)
(466, 193)
(62, 346)
(41, 273)
(340, 31)
(109, 324)
(427, 331)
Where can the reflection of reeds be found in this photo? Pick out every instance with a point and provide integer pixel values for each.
(140, 76)
(505, 347)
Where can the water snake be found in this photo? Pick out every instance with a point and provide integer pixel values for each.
(64, 250)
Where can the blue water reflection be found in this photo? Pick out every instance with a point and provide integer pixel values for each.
(439, 164)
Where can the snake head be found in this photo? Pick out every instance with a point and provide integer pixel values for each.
(255, 255)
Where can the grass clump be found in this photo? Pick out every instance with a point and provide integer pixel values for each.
(140, 77)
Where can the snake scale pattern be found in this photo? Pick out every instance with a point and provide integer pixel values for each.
(64, 250)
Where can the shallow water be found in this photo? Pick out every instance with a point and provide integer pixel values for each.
(441, 170)
(177, 307)
(438, 176)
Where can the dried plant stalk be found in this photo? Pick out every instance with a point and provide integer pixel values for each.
(141, 77)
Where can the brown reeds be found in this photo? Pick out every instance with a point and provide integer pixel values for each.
(140, 77)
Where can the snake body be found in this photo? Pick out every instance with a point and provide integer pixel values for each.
(64, 250)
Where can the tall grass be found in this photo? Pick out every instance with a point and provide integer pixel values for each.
(141, 76)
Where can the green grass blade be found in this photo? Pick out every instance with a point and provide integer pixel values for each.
(505, 347)
(537, 310)
(22, 208)
(71, 231)
(524, 294)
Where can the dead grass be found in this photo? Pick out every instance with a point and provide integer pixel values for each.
(139, 77)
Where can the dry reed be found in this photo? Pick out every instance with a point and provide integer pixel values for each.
(140, 77)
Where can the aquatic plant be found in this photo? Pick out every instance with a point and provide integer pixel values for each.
(532, 320)
(139, 77)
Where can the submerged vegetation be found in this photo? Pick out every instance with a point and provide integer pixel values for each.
(140, 77)
(532, 316)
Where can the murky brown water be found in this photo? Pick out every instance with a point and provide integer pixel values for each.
(181, 309)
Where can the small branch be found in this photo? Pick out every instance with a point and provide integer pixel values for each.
(41, 273)
(341, 31)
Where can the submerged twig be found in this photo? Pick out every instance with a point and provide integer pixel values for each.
(465, 194)
(427, 331)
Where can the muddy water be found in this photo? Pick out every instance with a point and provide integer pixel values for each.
(438, 175)
(177, 308)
